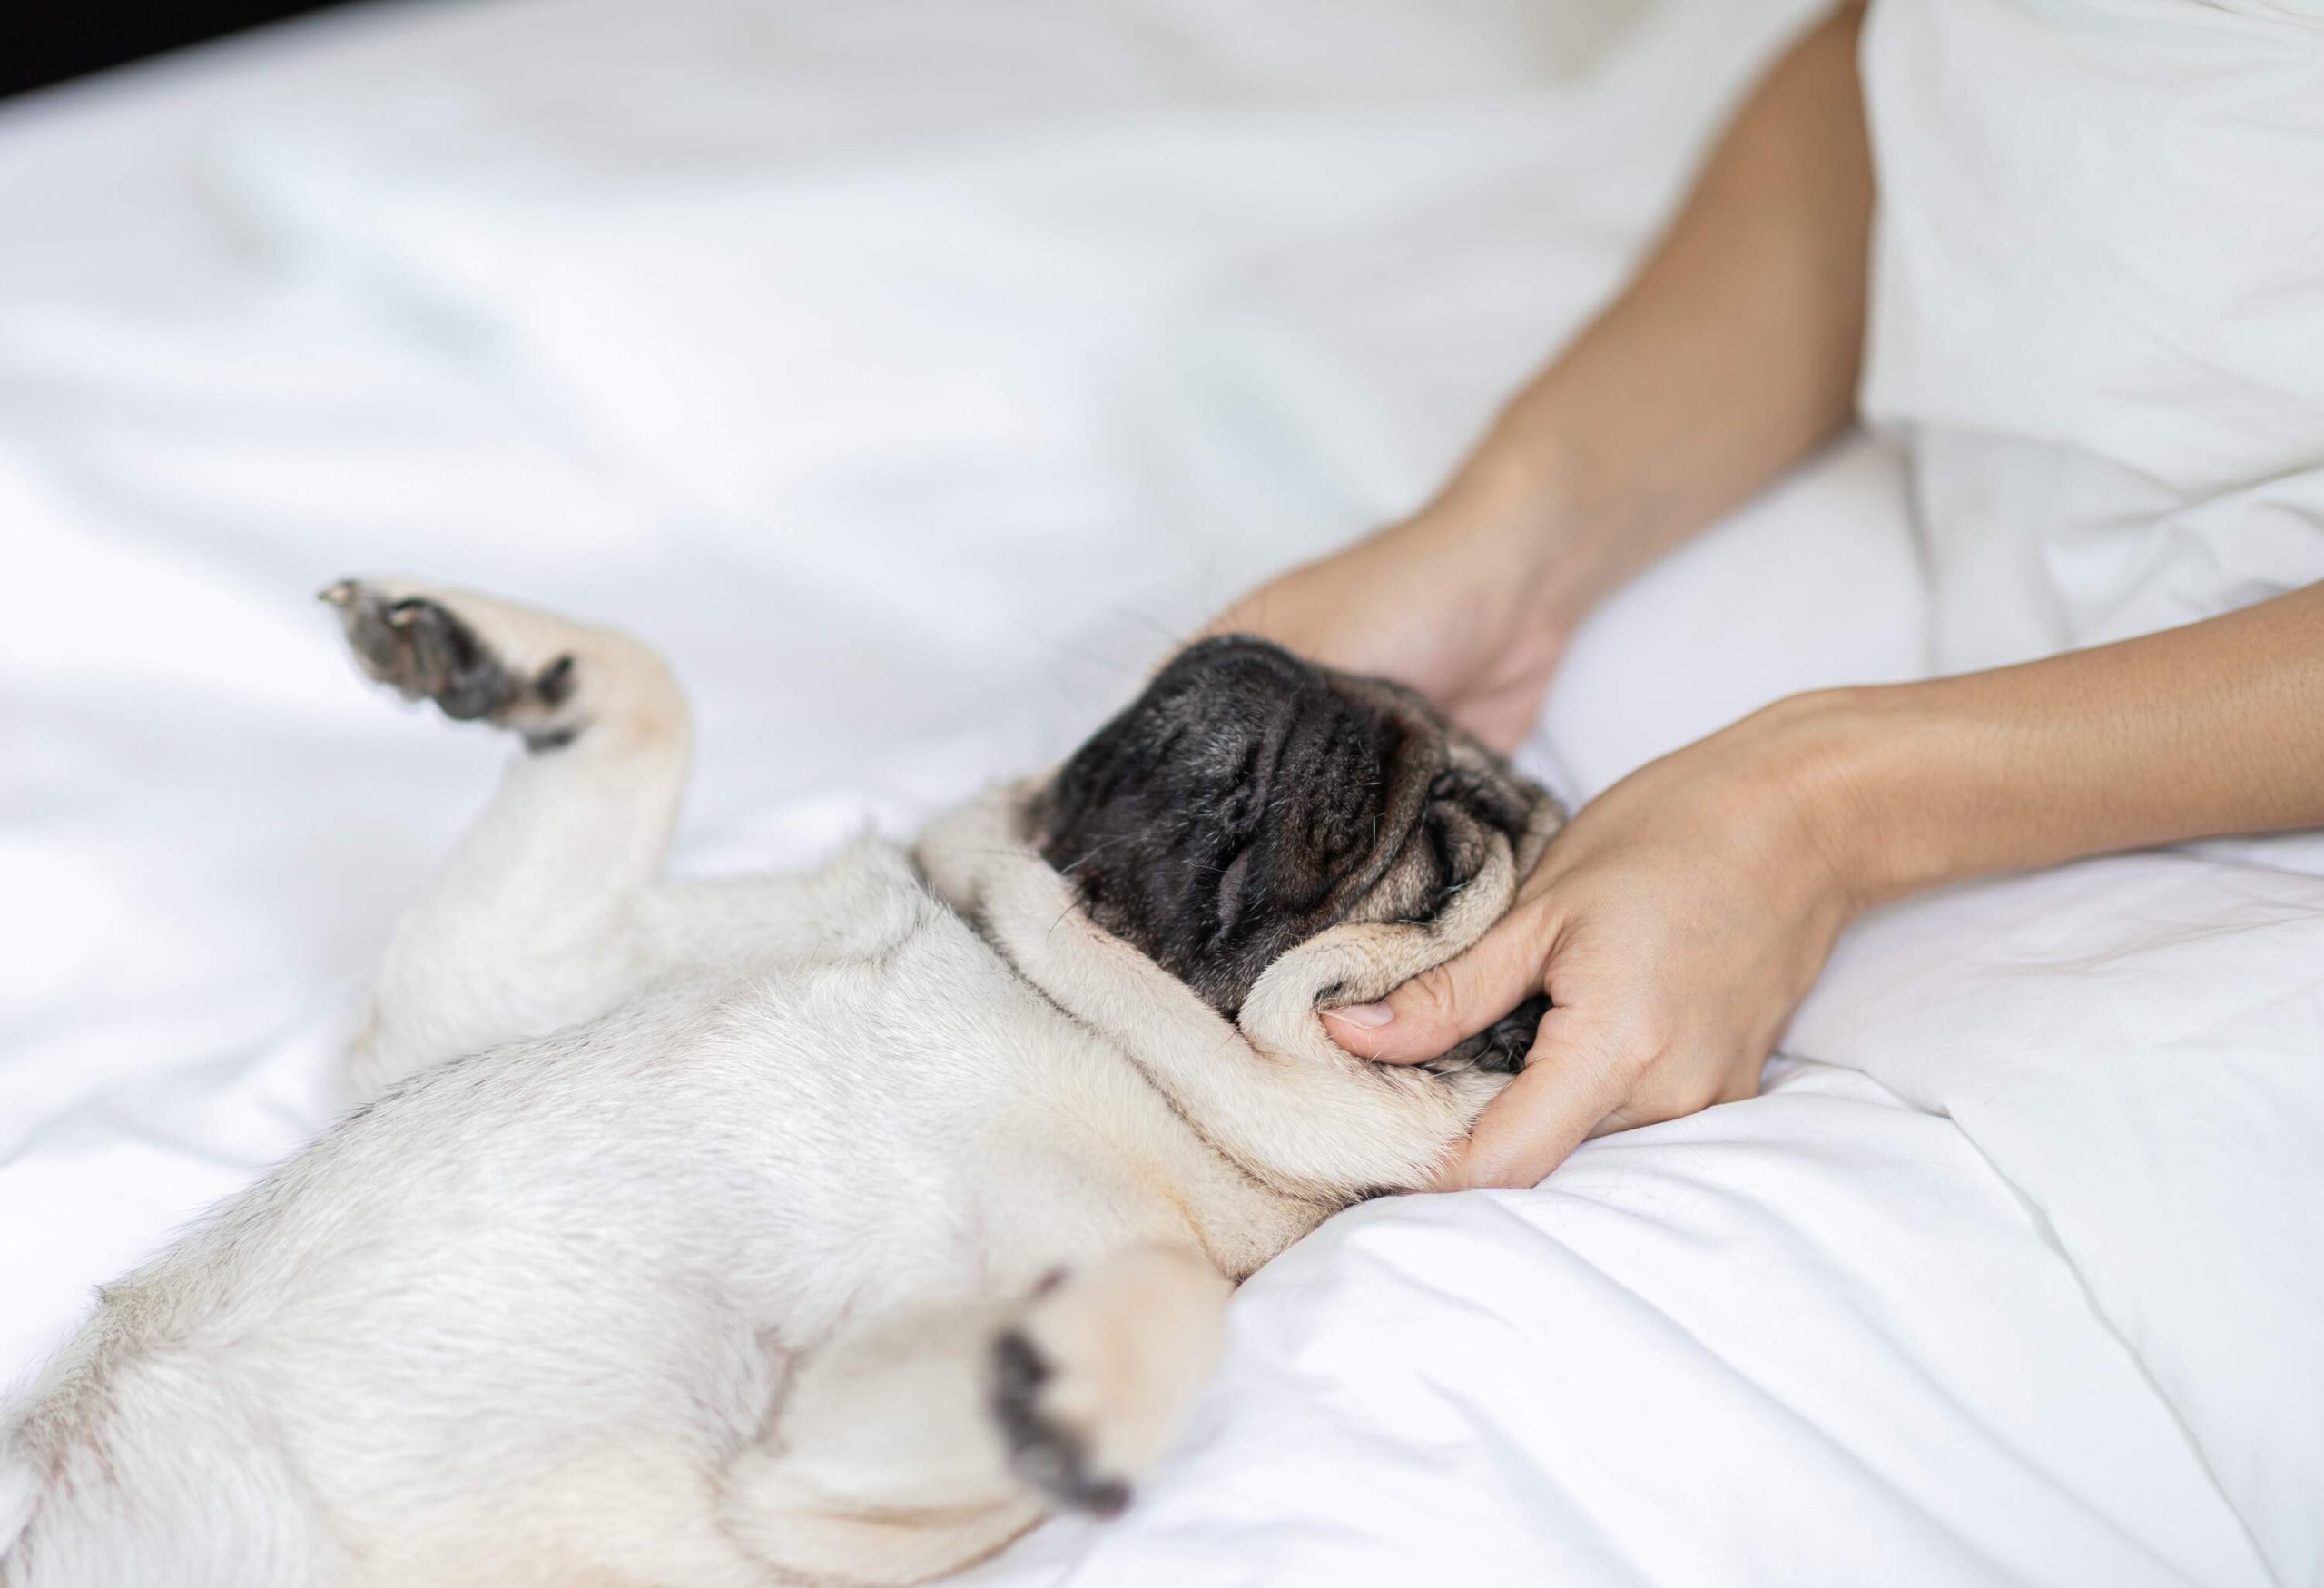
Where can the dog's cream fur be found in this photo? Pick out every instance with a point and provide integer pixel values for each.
(678, 1235)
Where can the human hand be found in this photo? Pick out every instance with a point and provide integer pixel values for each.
(1469, 602)
(1675, 924)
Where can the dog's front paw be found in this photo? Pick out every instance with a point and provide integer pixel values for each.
(1088, 1382)
(441, 648)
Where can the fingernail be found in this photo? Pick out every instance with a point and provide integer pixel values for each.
(1370, 1016)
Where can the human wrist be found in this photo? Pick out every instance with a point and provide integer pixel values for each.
(1514, 512)
(1870, 772)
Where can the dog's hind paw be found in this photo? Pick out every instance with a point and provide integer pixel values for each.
(468, 655)
(1088, 1382)
(1051, 1455)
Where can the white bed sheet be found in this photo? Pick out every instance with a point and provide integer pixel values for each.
(909, 372)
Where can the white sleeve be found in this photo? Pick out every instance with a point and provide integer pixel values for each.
(2098, 307)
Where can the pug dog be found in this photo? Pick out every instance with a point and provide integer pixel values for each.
(819, 1229)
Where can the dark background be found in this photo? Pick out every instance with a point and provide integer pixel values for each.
(53, 40)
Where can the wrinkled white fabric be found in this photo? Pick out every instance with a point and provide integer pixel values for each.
(2098, 311)
(910, 372)
(2098, 329)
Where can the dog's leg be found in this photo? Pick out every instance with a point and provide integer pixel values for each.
(909, 1450)
(532, 926)
(1090, 1378)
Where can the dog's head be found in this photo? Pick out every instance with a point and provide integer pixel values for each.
(1255, 840)
(1249, 801)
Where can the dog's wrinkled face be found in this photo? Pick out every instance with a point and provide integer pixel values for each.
(1249, 800)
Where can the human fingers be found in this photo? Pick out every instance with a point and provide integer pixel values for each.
(1573, 1080)
(1468, 992)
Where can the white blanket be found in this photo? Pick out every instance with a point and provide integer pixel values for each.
(910, 372)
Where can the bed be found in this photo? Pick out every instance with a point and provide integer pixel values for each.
(911, 373)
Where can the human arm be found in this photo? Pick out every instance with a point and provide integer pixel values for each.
(1681, 918)
(1730, 355)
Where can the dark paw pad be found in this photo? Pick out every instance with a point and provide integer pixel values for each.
(1501, 1048)
(1051, 1456)
(426, 651)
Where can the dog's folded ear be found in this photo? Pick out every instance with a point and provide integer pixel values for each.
(1358, 961)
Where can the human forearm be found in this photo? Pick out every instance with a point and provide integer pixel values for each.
(1731, 354)
(2216, 727)
(1679, 919)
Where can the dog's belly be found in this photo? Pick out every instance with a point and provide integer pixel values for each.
(584, 1266)
(904, 1055)
(623, 1232)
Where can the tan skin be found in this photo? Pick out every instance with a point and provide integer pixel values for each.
(1680, 919)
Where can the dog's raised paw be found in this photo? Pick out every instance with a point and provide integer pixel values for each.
(1047, 1452)
(1088, 1382)
(436, 648)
